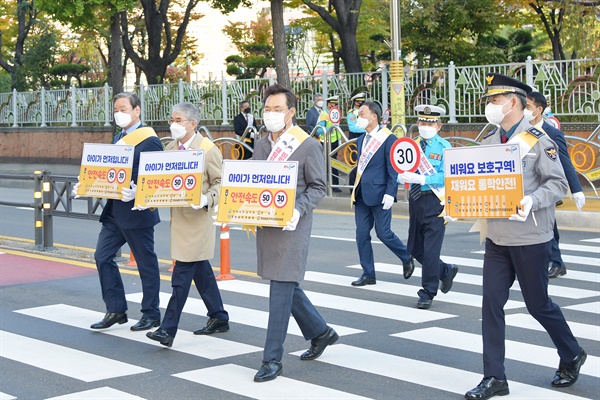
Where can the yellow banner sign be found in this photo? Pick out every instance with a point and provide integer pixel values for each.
(483, 181)
(170, 178)
(261, 193)
(105, 170)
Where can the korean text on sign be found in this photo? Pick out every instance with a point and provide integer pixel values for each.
(483, 181)
(105, 170)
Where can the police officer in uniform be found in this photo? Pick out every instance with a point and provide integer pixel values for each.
(335, 135)
(426, 224)
(519, 246)
(357, 101)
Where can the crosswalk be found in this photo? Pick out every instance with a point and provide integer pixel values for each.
(432, 353)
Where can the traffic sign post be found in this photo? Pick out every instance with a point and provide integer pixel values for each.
(405, 156)
(335, 115)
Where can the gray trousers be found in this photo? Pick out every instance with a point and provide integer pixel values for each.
(285, 299)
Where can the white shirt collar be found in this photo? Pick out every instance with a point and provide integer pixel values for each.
(187, 144)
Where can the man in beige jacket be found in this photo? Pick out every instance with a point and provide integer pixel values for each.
(193, 234)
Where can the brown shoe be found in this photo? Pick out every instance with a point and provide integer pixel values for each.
(555, 272)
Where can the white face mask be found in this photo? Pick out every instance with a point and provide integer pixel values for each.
(528, 115)
(274, 121)
(494, 113)
(122, 119)
(177, 131)
(362, 123)
(320, 104)
(427, 132)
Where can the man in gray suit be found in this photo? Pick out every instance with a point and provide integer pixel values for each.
(282, 255)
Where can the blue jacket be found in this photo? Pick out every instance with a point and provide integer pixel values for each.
(379, 177)
(435, 155)
(563, 154)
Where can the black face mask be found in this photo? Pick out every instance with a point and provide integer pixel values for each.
(247, 110)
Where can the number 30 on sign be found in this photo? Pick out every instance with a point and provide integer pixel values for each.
(405, 155)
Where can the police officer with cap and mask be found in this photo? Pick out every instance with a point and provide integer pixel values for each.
(357, 101)
(519, 246)
(426, 224)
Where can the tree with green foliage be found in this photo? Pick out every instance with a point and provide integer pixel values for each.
(254, 42)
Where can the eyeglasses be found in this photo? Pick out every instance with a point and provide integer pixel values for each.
(178, 121)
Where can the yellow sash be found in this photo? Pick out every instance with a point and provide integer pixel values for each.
(138, 136)
(287, 143)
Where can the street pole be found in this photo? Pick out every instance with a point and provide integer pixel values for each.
(396, 67)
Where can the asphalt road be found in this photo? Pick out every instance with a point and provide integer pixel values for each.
(387, 350)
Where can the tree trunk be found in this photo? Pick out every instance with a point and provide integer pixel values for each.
(349, 52)
(281, 63)
(115, 55)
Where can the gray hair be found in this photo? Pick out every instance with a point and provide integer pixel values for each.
(316, 95)
(134, 100)
(188, 110)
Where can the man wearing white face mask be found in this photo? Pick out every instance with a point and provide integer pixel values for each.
(519, 246)
(426, 224)
(120, 225)
(536, 104)
(312, 116)
(374, 193)
(193, 234)
(281, 255)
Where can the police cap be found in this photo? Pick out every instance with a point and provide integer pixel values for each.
(502, 84)
(362, 96)
(333, 99)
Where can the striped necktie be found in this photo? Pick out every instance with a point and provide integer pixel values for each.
(415, 188)
(181, 147)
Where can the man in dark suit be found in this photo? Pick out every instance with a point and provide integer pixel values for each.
(374, 193)
(536, 104)
(121, 224)
(312, 116)
(240, 123)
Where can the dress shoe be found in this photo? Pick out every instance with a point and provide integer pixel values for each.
(409, 267)
(109, 320)
(160, 335)
(318, 344)
(363, 280)
(449, 279)
(489, 387)
(144, 324)
(567, 373)
(555, 271)
(213, 325)
(269, 371)
(337, 190)
(424, 304)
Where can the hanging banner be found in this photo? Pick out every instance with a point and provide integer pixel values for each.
(105, 170)
(170, 178)
(483, 181)
(261, 193)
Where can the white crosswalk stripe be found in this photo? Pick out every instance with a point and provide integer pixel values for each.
(223, 365)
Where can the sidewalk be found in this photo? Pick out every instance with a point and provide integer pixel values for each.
(567, 215)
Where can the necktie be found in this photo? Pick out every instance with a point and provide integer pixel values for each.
(181, 147)
(504, 138)
(415, 188)
(367, 138)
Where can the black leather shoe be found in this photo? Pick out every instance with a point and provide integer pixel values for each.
(409, 267)
(318, 344)
(109, 320)
(489, 387)
(269, 371)
(337, 190)
(449, 279)
(424, 304)
(362, 281)
(160, 335)
(213, 325)
(567, 373)
(144, 324)
(555, 272)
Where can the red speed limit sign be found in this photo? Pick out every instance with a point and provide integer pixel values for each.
(335, 116)
(405, 155)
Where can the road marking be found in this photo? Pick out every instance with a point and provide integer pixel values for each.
(593, 307)
(595, 240)
(440, 377)
(470, 279)
(593, 261)
(204, 346)
(239, 315)
(239, 380)
(4, 396)
(580, 330)
(464, 299)
(98, 394)
(578, 247)
(524, 352)
(367, 307)
(63, 360)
